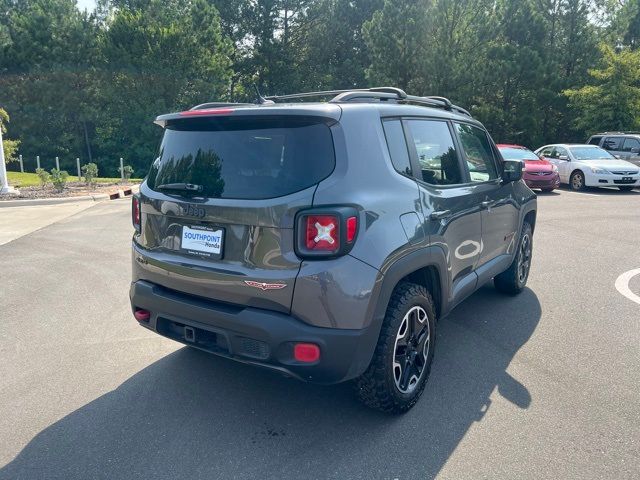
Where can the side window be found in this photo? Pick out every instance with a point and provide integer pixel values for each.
(560, 151)
(631, 144)
(397, 146)
(595, 140)
(613, 143)
(547, 152)
(437, 156)
(476, 146)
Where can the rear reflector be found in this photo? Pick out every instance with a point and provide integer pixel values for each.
(206, 111)
(142, 315)
(322, 233)
(306, 352)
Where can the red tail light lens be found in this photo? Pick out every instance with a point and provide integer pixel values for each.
(306, 352)
(322, 233)
(135, 212)
(326, 232)
(352, 228)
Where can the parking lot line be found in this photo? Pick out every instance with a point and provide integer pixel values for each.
(622, 285)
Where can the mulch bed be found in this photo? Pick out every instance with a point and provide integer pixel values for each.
(73, 189)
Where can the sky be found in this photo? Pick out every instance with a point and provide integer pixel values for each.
(86, 4)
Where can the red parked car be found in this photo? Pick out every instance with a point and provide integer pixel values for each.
(538, 172)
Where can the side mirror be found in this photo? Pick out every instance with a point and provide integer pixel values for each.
(635, 150)
(512, 171)
(564, 158)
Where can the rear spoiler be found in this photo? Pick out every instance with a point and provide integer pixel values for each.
(225, 110)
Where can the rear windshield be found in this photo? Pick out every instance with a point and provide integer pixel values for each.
(244, 158)
(509, 153)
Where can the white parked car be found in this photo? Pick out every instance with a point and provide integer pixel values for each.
(583, 166)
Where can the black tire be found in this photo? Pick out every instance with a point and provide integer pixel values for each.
(625, 189)
(576, 181)
(514, 278)
(390, 383)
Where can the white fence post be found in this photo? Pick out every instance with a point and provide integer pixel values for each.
(57, 163)
(38, 161)
(121, 170)
(78, 164)
(21, 165)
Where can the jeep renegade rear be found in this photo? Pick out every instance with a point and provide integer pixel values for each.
(323, 240)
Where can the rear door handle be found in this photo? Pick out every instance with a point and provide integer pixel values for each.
(440, 215)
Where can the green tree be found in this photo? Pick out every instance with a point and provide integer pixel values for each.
(335, 54)
(510, 74)
(46, 62)
(612, 100)
(10, 147)
(395, 37)
(164, 57)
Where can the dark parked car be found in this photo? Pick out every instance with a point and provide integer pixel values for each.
(323, 240)
(623, 145)
(538, 172)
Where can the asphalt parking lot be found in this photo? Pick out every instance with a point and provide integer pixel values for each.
(543, 385)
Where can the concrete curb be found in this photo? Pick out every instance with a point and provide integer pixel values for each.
(120, 193)
(53, 201)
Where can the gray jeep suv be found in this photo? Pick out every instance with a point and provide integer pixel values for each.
(323, 240)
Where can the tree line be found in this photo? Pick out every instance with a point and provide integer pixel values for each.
(89, 84)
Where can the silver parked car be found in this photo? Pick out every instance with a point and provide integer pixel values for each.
(623, 145)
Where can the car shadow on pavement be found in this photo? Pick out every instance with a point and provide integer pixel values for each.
(194, 415)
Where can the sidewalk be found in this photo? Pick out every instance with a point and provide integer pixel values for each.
(18, 221)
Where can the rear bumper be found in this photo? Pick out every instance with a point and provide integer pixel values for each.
(253, 335)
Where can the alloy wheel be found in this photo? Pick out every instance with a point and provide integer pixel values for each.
(411, 349)
(577, 181)
(524, 258)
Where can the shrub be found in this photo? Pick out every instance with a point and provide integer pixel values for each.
(127, 171)
(90, 171)
(59, 179)
(44, 176)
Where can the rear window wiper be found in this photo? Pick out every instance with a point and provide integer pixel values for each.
(185, 187)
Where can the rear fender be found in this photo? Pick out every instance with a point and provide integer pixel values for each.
(387, 282)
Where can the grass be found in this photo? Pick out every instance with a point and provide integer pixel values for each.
(18, 179)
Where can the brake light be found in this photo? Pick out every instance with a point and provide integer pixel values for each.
(306, 352)
(135, 212)
(323, 233)
(206, 111)
(326, 232)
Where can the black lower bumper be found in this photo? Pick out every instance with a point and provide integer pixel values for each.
(255, 336)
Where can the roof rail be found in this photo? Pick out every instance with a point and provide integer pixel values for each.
(625, 132)
(381, 94)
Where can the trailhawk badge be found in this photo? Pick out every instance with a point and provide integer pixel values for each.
(265, 286)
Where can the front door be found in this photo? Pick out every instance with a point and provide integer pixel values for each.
(500, 217)
(631, 150)
(614, 146)
(559, 156)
